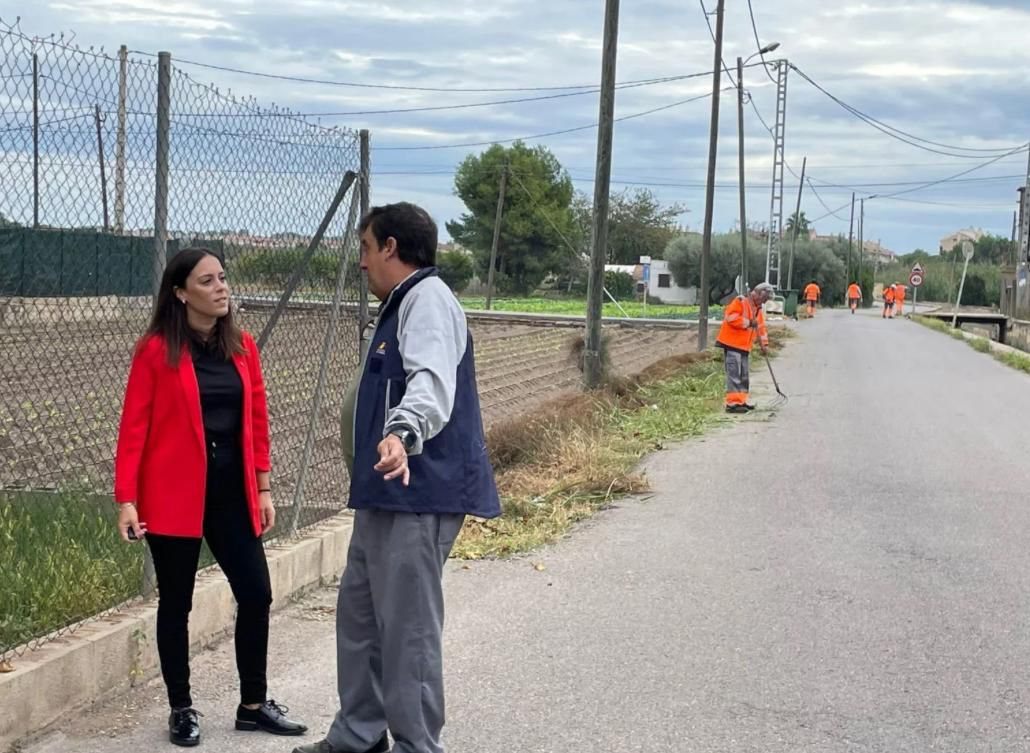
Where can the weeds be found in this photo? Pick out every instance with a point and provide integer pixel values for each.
(571, 457)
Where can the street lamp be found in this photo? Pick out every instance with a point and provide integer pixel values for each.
(740, 160)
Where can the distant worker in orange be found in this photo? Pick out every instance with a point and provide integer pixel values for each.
(888, 301)
(854, 296)
(812, 293)
(742, 320)
(899, 298)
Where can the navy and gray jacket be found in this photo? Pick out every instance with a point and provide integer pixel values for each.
(420, 373)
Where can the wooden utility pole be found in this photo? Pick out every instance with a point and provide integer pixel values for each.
(103, 167)
(593, 368)
(740, 169)
(497, 238)
(797, 222)
(713, 148)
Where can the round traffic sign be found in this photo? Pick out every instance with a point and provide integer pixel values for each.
(915, 279)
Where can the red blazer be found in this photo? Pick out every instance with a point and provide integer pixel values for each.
(161, 460)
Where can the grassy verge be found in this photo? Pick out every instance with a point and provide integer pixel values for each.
(578, 307)
(62, 561)
(1016, 361)
(562, 463)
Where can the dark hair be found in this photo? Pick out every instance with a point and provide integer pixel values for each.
(409, 225)
(169, 319)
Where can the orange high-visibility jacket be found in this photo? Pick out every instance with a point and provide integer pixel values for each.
(899, 292)
(741, 320)
(888, 295)
(812, 292)
(854, 291)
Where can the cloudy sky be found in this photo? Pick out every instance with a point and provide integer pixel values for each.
(954, 73)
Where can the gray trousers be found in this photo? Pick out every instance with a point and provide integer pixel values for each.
(738, 377)
(389, 626)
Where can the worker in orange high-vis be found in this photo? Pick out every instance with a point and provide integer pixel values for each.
(854, 296)
(888, 301)
(742, 321)
(899, 298)
(812, 293)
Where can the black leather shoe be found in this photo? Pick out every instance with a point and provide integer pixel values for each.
(736, 409)
(323, 746)
(184, 727)
(269, 717)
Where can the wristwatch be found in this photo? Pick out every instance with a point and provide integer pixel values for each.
(407, 436)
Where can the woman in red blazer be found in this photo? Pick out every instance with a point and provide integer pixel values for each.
(193, 463)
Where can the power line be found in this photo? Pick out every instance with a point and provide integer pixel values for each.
(398, 87)
(428, 147)
(758, 41)
(711, 32)
(905, 137)
(438, 108)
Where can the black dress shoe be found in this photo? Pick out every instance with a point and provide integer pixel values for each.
(323, 746)
(270, 717)
(184, 727)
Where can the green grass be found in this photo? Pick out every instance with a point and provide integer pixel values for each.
(569, 459)
(62, 561)
(578, 307)
(1016, 361)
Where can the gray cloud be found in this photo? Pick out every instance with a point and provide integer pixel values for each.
(946, 71)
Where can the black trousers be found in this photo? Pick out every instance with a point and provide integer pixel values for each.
(239, 552)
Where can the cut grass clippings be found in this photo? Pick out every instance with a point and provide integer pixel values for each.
(561, 463)
(981, 344)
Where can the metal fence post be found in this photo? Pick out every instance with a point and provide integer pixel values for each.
(364, 187)
(119, 156)
(164, 86)
(35, 140)
(327, 347)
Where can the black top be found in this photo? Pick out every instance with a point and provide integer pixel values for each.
(221, 391)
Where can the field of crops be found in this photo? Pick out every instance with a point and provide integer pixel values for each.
(578, 307)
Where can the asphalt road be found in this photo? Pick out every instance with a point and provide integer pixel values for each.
(850, 574)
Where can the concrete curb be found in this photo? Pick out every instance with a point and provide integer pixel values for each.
(109, 656)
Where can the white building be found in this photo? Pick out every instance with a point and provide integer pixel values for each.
(657, 280)
(970, 234)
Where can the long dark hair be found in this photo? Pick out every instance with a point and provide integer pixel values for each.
(169, 321)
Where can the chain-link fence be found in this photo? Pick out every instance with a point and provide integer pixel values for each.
(108, 166)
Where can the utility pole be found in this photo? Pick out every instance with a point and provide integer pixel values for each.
(740, 181)
(497, 238)
(797, 221)
(861, 246)
(713, 150)
(103, 167)
(851, 237)
(119, 148)
(772, 256)
(593, 368)
(1024, 223)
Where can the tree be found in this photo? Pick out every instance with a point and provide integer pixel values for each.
(455, 269)
(800, 222)
(683, 254)
(822, 261)
(638, 225)
(536, 214)
(620, 285)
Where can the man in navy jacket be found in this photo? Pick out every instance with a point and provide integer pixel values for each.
(420, 466)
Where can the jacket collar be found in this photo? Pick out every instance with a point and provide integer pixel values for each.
(393, 300)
